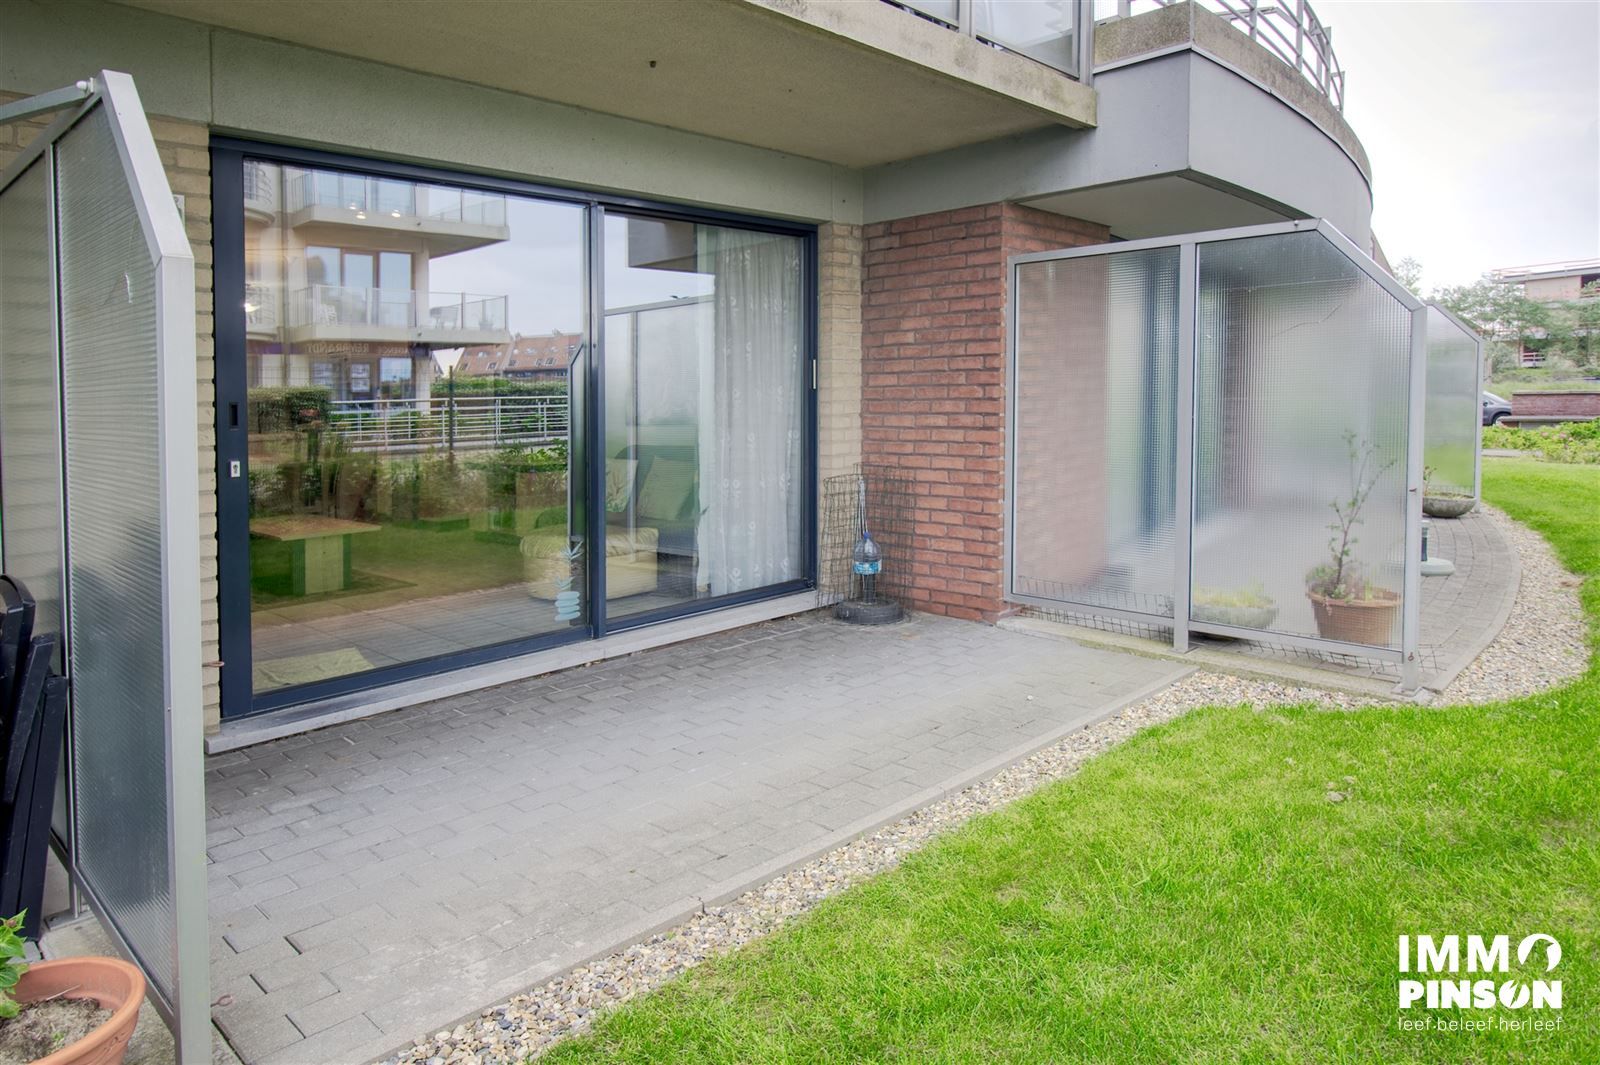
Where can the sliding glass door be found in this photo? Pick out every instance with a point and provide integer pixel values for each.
(425, 463)
(406, 505)
(706, 389)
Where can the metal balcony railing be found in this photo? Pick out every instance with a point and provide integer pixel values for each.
(1289, 29)
(260, 307)
(260, 187)
(337, 305)
(461, 422)
(1048, 30)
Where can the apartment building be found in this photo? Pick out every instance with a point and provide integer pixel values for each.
(764, 243)
(378, 198)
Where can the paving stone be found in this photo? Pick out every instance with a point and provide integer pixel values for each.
(522, 829)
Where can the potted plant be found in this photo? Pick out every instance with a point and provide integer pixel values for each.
(66, 1012)
(1349, 607)
(1249, 607)
(1441, 501)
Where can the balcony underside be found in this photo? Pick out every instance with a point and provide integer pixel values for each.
(384, 334)
(445, 237)
(1158, 206)
(855, 84)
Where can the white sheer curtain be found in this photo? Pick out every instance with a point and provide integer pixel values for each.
(751, 412)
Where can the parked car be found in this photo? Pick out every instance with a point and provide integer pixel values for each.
(1494, 408)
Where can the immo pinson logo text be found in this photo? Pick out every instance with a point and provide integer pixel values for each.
(1449, 956)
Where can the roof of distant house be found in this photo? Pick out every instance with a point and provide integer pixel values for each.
(547, 351)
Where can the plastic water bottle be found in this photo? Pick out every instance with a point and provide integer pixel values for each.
(866, 560)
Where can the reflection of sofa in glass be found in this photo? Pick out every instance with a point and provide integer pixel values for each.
(656, 486)
(630, 558)
(652, 510)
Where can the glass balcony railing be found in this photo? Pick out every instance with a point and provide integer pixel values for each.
(366, 197)
(464, 205)
(1043, 30)
(337, 305)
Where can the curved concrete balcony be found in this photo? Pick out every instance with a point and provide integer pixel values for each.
(1202, 124)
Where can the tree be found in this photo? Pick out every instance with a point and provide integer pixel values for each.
(1409, 273)
(1511, 323)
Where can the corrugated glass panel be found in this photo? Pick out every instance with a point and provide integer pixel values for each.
(30, 430)
(1096, 412)
(1301, 382)
(1450, 446)
(108, 320)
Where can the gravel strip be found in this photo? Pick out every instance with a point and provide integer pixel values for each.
(1543, 643)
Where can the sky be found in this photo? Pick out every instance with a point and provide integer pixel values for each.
(1482, 122)
(540, 269)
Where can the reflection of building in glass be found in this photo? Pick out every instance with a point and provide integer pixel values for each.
(336, 280)
(523, 358)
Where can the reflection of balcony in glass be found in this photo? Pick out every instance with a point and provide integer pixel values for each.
(260, 191)
(260, 309)
(453, 220)
(437, 319)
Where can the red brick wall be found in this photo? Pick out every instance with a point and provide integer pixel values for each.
(933, 384)
(1576, 405)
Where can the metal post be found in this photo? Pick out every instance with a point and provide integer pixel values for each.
(1300, 35)
(46, 102)
(1183, 470)
(1477, 406)
(1411, 605)
(964, 17)
(1084, 29)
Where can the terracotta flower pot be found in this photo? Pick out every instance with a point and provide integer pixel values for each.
(1368, 621)
(116, 985)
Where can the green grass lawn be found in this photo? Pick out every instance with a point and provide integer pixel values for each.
(1194, 896)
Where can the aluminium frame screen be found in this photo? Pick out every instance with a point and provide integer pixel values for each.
(1220, 433)
(1301, 369)
(1096, 417)
(1453, 409)
(108, 471)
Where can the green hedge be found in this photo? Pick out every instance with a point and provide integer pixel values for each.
(504, 386)
(277, 410)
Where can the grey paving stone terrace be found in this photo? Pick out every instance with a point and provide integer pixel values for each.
(376, 880)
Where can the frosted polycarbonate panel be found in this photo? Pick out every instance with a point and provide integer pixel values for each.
(1301, 383)
(1096, 414)
(30, 430)
(108, 323)
(1450, 443)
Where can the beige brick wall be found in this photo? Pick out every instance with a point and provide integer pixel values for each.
(838, 349)
(185, 153)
